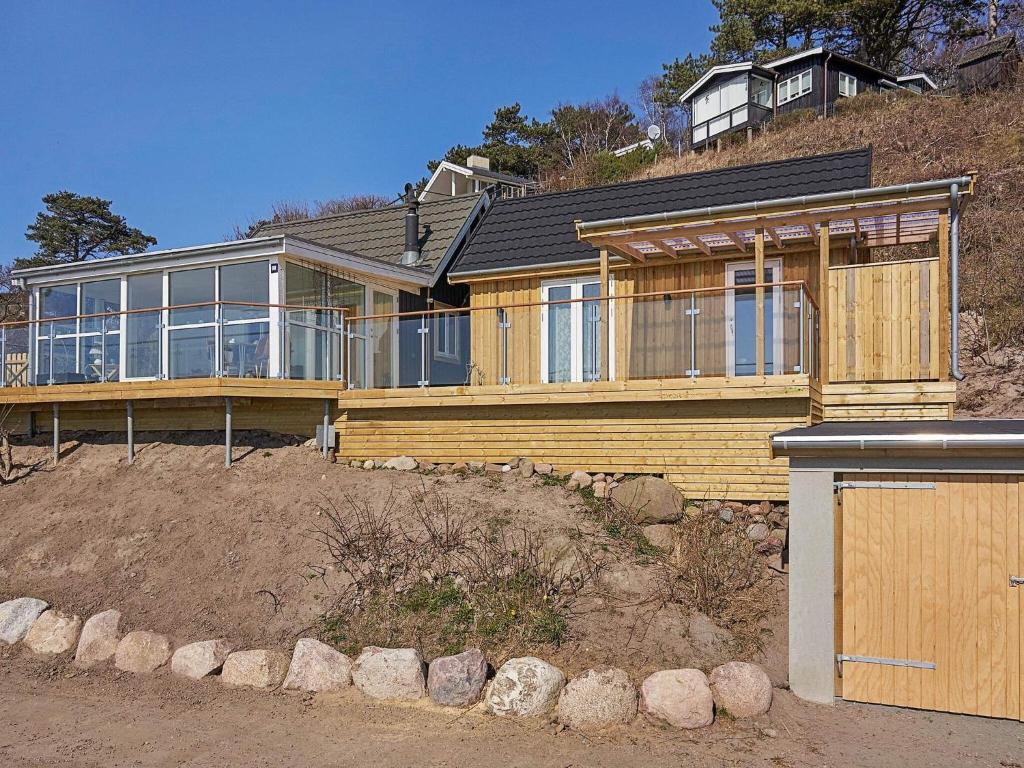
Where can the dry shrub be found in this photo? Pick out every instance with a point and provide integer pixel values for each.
(429, 575)
(716, 570)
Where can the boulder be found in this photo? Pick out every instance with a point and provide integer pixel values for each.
(460, 468)
(197, 660)
(255, 669)
(652, 499)
(757, 532)
(141, 652)
(661, 535)
(741, 689)
(780, 535)
(368, 464)
(618, 477)
(572, 485)
(543, 469)
(403, 463)
(600, 489)
(596, 699)
(99, 639)
(581, 478)
(524, 687)
(355, 464)
(476, 466)
(692, 511)
(53, 632)
(317, 667)
(426, 466)
(526, 468)
(17, 617)
(679, 697)
(494, 469)
(725, 514)
(389, 673)
(457, 681)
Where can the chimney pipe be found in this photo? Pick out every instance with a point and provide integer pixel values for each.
(411, 255)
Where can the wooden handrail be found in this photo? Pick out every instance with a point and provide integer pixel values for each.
(678, 291)
(196, 305)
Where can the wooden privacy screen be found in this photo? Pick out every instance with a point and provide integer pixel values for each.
(15, 369)
(925, 579)
(884, 322)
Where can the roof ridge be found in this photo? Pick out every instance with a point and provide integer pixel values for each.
(640, 182)
(365, 211)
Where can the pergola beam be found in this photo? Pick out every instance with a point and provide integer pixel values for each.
(736, 240)
(774, 237)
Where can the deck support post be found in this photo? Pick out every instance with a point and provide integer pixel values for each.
(759, 279)
(56, 433)
(131, 432)
(327, 424)
(227, 432)
(604, 334)
(824, 255)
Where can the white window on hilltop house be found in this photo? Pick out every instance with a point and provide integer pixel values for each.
(720, 108)
(795, 87)
(570, 330)
(847, 85)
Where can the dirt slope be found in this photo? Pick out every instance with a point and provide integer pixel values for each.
(182, 546)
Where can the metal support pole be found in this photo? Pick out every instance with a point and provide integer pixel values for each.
(3, 356)
(227, 432)
(327, 423)
(131, 432)
(503, 326)
(423, 331)
(800, 307)
(50, 377)
(56, 434)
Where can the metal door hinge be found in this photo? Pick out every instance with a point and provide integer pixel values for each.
(422, 330)
(912, 663)
(691, 311)
(907, 486)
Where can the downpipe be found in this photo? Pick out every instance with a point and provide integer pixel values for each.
(954, 259)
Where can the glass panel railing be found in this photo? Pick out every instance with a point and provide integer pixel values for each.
(449, 349)
(15, 346)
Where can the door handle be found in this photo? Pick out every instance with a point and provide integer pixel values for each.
(1017, 581)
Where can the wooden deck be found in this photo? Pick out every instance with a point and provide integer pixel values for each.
(173, 388)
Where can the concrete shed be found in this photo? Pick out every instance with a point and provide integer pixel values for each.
(906, 552)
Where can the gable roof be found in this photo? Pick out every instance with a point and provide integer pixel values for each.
(720, 69)
(537, 231)
(379, 233)
(994, 47)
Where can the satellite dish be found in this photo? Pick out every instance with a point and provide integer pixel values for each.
(653, 132)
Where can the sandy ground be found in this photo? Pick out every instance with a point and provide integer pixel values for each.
(103, 718)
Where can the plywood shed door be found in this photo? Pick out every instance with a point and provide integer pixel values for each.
(929, 612)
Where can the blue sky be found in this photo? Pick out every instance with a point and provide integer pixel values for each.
(194, 116)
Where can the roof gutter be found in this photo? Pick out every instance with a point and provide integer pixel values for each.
(954, 267)
(853, 195)
(921, 440)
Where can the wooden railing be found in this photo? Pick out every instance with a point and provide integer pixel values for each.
(885, 322)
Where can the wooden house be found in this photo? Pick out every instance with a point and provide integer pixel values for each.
(740, 96)
(669, 326)
(989, 65)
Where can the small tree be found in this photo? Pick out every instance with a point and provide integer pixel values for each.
(6, 454)
(76, 228)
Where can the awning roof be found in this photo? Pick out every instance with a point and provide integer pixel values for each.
(876, 216)
(863, 435)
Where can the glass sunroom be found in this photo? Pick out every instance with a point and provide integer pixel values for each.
(240, 310)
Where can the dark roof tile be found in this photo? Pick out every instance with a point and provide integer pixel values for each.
(539, 230)
(380, 232)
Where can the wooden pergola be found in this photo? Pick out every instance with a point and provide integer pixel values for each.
(867, 218)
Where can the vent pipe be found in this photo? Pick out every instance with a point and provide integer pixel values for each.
(411, 255)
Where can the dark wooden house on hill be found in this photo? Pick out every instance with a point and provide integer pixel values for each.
(988, 65)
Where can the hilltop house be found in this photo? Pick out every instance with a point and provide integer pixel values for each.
(452, 180)
(666, 326)
(737, 97)
(989, 65)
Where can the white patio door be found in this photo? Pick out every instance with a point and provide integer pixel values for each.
(741, 318)
(570, 330)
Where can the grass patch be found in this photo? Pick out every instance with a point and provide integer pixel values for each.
(425, 574)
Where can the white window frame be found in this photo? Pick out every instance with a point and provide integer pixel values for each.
(449, 352)
(801, 90)
(575, 285)
(847, 85)
(371, 333)
(778, 315)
